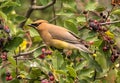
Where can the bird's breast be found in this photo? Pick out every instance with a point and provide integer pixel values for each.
(46, 37)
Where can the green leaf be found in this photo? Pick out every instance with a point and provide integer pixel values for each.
(7, 10)
(33, 32)
(15, 81)
(91, 5)
(61, 72)
(81, 19)
(20, 18)
(116, 12)
(9, 3)
(12, 61)
(100, 8)
(37, 52)
(72, 71)
(80, 65)
(2, 15)
(95, 65)
(71, 26)
(35, 73)
(69, 7)
(57, 59)
(85, 73)
(13, 44)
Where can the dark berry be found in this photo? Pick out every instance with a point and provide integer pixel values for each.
(50, 74)
(51, 78)
(115, 47)
(105, 48)
(112, 58)
(112, 42)
(42, 56)
(101, 14)
(85, 12)
(8, 74)
(116, 56)
(104, 16)
(93, 26)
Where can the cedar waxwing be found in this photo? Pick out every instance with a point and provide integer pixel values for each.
(58, 37)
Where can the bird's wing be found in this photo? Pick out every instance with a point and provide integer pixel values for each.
(63, 34)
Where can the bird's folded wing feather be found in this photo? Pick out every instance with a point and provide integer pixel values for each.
(63, 34)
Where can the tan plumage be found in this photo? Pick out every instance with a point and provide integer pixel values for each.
(58, 37)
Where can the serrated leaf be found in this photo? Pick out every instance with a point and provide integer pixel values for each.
(72, 71)
(57, 59)
(13, 44)
(71, 26)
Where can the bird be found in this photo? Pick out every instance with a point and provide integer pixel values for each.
(58, 37)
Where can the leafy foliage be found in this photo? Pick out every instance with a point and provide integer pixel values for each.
(52, 64)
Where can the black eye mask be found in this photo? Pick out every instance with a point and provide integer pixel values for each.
(36, 24)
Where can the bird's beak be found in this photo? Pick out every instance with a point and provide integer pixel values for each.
(30, 25)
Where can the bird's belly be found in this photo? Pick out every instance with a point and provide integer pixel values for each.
(61, 44)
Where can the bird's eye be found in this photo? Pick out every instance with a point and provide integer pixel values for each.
(36, 24)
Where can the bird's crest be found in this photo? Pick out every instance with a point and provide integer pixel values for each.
(37, 23)
(40, 21)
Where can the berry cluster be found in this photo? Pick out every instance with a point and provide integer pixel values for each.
(8, 76)
(105, 35)
(45, 53)
(4, 29)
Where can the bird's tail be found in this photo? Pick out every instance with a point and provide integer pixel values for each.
(81, 47)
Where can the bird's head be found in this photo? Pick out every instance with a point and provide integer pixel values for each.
(37, 23)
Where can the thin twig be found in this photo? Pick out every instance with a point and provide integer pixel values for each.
(54, 14)
(109, 12)
(26, 53)
(107, 23)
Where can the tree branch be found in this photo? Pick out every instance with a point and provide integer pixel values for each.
(107, 23)
(35, 7)
(32, 7)
(26, 53)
